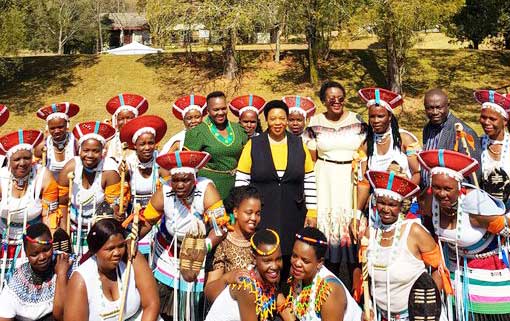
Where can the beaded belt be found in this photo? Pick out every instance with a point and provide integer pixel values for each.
(231, 172)
(402, 315)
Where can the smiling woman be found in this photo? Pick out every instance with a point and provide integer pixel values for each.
(222, 139)
(279, 165)
(253, 296)
(36, 289)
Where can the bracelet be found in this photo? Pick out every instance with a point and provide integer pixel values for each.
(208, 244)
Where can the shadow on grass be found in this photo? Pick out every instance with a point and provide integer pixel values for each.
(30, 79)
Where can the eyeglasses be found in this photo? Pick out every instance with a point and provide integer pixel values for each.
(333, 100)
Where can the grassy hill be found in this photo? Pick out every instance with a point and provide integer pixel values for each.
(90, 80)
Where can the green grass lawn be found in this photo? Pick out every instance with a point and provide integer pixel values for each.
(90, 80)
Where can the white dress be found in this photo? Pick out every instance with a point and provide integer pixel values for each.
(337, 142)
(69, 152)
(224, 308)
(100, 308)
(84, 202)
(22, 299)
(381, 162)
(142, 189)
(403, 270)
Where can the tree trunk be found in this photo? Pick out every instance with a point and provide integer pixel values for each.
(393, 66)
(278, 44)
(99, 28)
(60, 44)
(231, 68)
(313, 54)
(476, 44)
(507, 40)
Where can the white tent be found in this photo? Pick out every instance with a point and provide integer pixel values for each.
(134, 48)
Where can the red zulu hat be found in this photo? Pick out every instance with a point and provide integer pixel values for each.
(381, 97)
(244, 103)
(144, 124)
(186, 103)
(453, 164)
(132, 102)
(493, 100)
(303, 105)
(391, 185)
(4, 114)
(93, 129)
(64, 110)
(19, 140)
(183, 162)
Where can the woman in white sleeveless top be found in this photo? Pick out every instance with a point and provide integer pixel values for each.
(143, 173)
(315, 292)
(95, 290)
(190, 110)
(28, 194)
(185, 205)
(91, 182)
(399, 250)
(495, 157)
(386, 144)
(123, 108)
(60, 145)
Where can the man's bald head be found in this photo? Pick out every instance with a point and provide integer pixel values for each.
(436, 106)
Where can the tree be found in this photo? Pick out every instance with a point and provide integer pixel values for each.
(12, 30)
(62, 19)
(165, 17)
(316, 19)
(396, 23)
(504, 24)
(230, 19)
(476, 21)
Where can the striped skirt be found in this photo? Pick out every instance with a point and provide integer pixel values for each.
(485, 292)
(189, 297)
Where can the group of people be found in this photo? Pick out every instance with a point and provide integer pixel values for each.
(319, 217)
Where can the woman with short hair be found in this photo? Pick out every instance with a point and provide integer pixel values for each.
(315, 292)
(495, 156)
(93, 181)
(28, 195)
(36, 290)
(190, 110)
(254, 297)
(279, 165)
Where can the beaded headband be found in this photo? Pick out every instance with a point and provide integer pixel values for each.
(31, 240)
(271, 251)
(311, 240)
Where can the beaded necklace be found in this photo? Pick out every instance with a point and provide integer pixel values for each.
(105, 315)
(503, 162)
(227, 141)
(381, 138)
(60, 145)
(237, 241)
(265, 295)
(375, 257)
(302, 299)
(436, 211)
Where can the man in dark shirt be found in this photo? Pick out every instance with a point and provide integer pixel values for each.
(440, 132)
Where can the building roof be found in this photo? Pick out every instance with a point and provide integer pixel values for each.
(128, 21)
